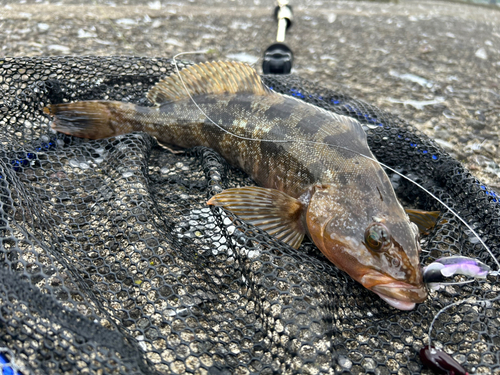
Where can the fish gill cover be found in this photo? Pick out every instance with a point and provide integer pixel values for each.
(111, 261)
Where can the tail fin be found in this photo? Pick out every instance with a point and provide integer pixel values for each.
(92, 119)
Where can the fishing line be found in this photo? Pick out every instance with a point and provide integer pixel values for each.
(457, 283)
(373, 160)
(469, 300)
(339, 147)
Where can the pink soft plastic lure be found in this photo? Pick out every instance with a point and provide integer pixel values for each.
(437, 273)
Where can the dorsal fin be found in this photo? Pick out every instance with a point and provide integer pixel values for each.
(216, 77)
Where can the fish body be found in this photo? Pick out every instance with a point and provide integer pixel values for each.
(316, 173)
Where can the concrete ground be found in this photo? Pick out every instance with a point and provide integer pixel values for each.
(434, 63)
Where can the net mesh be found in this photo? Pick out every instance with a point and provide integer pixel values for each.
(111, 261)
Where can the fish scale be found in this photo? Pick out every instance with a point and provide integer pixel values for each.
(316, 173)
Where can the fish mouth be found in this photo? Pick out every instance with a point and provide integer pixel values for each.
(398, 294)
(401, 295)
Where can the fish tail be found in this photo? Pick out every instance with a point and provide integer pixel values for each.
(93, 119)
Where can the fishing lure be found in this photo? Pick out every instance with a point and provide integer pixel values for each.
(436, 273)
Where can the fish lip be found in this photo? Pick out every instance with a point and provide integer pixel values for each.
(398, 304)
(401, 295)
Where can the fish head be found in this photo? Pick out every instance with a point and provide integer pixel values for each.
(376, 244)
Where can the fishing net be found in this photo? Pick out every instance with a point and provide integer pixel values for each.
(111, 261)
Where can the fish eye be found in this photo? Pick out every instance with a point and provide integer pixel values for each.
(377, 237)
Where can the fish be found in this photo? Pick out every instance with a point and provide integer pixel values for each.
(315, 173)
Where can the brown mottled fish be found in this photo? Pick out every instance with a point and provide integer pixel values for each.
(309, 163)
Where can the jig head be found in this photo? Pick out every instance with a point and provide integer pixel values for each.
(440, 362)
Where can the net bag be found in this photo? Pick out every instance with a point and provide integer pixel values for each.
(111, 261)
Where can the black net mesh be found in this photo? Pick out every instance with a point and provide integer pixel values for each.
(111, 262)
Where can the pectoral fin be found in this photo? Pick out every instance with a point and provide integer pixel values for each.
(425, 220)
(271, 210)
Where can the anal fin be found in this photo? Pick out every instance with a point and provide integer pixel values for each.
(271, 210)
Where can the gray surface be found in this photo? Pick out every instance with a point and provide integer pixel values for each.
(396, 56)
